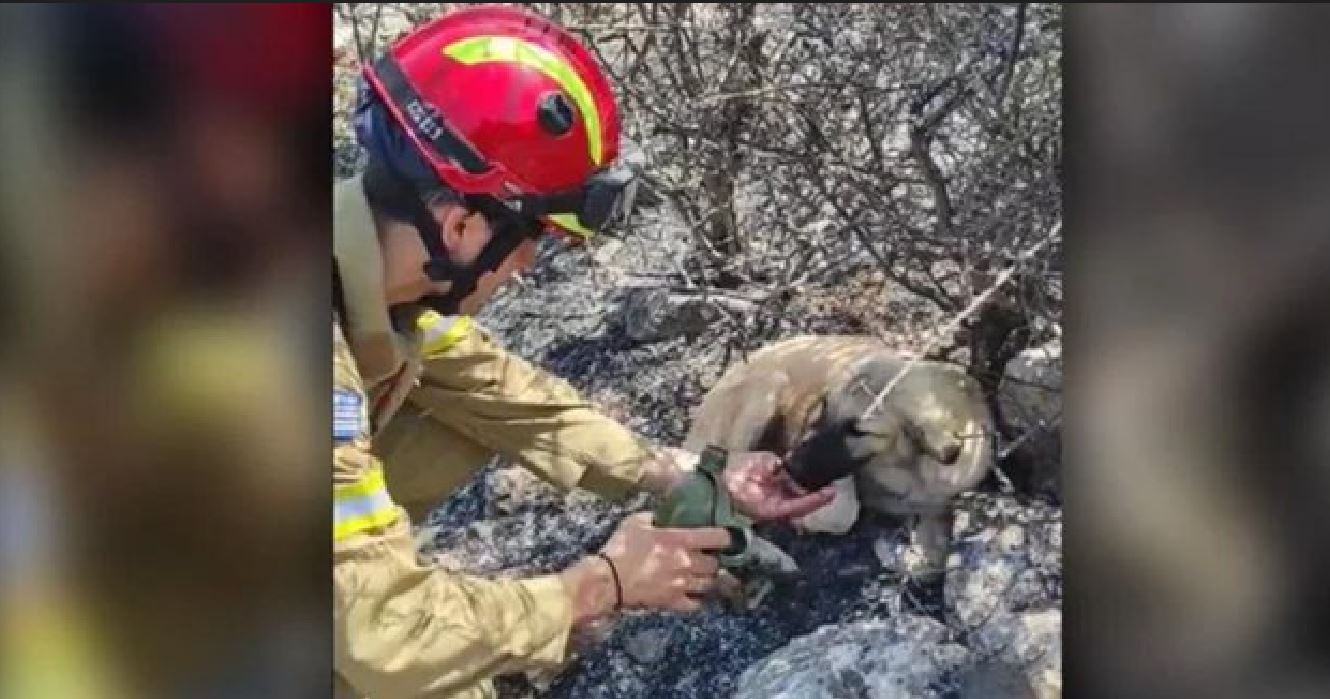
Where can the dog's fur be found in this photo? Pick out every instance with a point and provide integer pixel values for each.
(805, 398)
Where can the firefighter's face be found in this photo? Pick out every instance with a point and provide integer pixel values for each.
(465, 235)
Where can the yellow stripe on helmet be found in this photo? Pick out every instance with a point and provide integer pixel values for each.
(486, 49)
(570, 223)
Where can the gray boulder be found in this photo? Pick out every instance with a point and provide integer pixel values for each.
(1030, 397)
(651, 314)
(1003, 593)
(905, 657)
(1006, 556)
(1018, 656)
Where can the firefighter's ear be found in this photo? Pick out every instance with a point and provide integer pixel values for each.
(456, 226)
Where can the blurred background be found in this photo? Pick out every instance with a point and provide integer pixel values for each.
(164, 220)
(166, 227)
(1198, 393)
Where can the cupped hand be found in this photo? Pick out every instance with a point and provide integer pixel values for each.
(760, 488)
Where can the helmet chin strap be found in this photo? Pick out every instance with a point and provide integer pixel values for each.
(504, 239)
(402, 194)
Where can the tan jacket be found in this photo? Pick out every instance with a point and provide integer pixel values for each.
(416, 413)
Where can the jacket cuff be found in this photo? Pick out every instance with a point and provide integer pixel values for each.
(551, 630)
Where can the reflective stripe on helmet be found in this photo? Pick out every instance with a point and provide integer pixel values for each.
(439, 332)
(362, 505)
(484, 49)
(570, 223)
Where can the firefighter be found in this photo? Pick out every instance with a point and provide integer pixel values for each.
(485, 129)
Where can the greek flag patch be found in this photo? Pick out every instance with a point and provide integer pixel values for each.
(349, 419)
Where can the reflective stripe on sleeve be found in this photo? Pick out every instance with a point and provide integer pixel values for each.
(439, 333)
(362, 505)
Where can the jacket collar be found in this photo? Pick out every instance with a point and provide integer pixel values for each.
(376, 346)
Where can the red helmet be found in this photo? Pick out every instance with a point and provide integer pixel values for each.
(503, 102)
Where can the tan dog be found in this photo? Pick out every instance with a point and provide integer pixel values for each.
(806, 397)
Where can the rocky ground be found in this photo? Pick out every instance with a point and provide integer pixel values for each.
(851, 628)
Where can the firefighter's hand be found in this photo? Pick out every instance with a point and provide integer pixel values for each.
(665, 568)
(760, 488)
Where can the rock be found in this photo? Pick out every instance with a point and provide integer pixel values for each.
(1031, 388)
(975, 594)
(1006, 556)
(652, 314)
(901, 555)
(1003, 591)
(1018, 638)
(1030, 397)
(995, 680)
(905, 657)
(648, 646)
(1010, 539)
(1029, 644)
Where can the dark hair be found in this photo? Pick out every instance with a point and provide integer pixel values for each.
(393, 196)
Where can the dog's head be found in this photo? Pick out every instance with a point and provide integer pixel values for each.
(844, 436)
